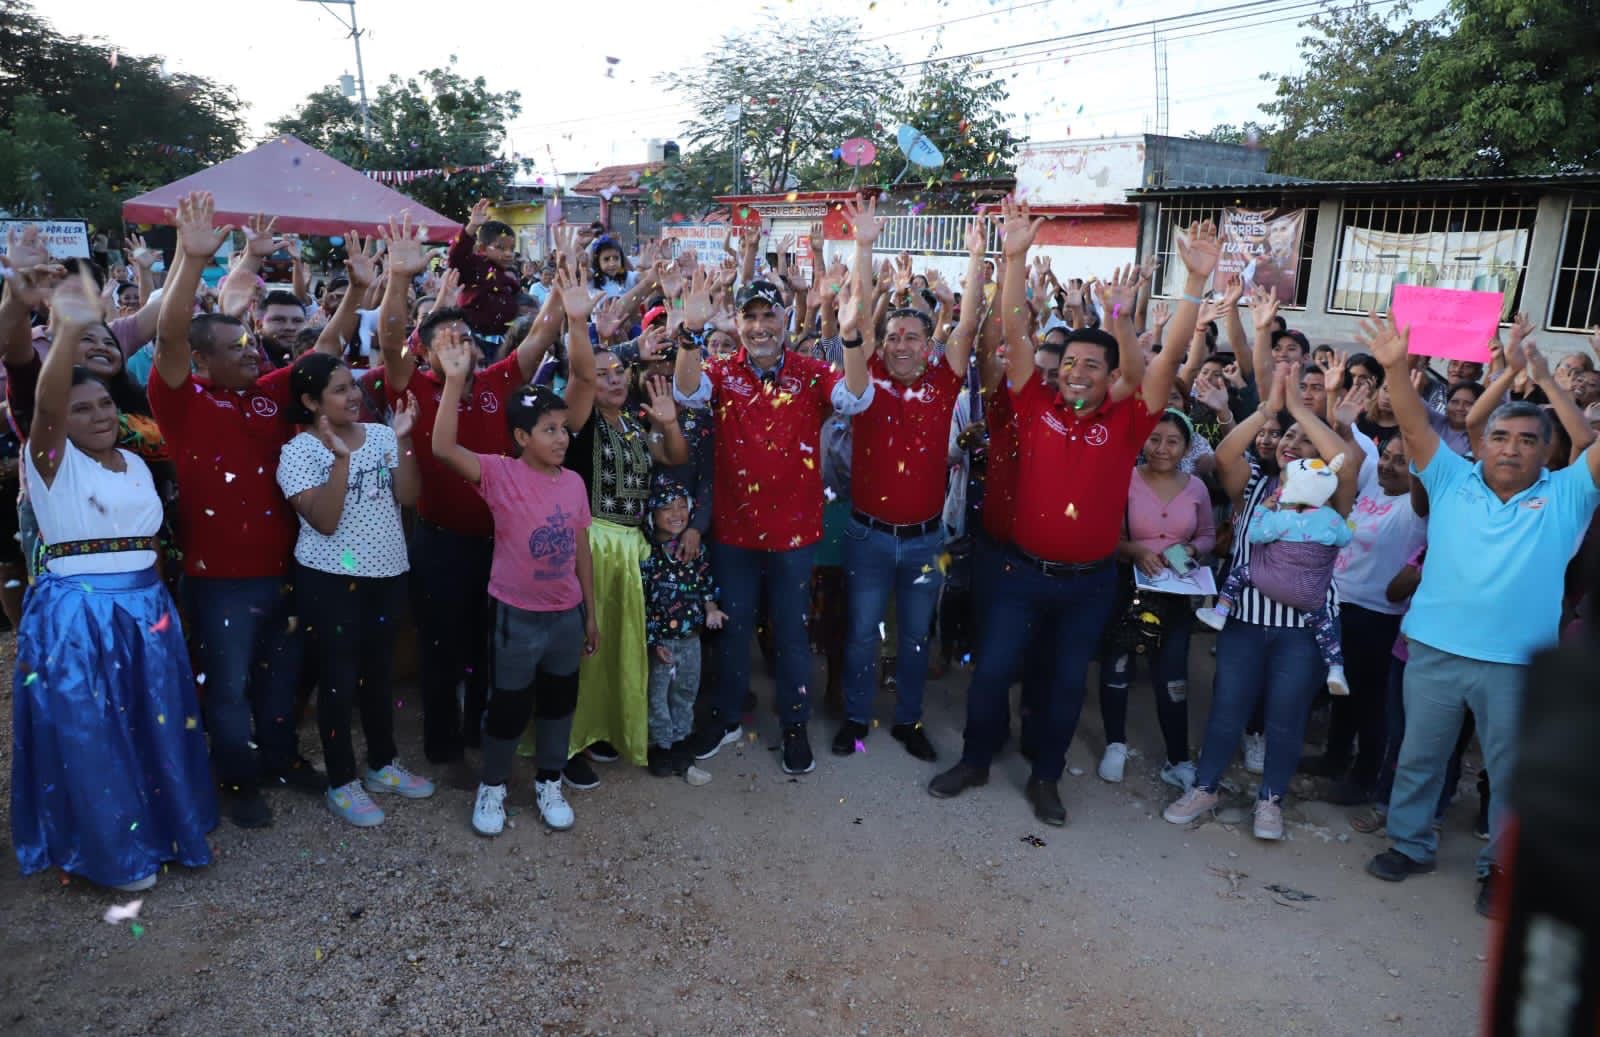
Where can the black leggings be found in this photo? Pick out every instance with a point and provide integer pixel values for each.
(351, 621)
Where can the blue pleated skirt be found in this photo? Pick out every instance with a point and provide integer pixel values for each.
(110, 777)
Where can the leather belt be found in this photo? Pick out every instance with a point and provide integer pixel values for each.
(1050, 568)
(914, 529)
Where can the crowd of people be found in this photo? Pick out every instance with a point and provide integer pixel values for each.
(587, 489)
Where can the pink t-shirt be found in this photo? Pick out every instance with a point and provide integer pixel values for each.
(538, 519)
(1186, 519)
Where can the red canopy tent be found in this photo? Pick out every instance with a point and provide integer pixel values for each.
(309, 192)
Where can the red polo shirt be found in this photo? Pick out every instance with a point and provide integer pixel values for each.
(767, 489)
(1072, 475)
(900, 443)
(1000, 466)
(447, 500)
(233, 521)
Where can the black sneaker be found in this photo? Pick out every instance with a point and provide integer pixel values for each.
(659, 761)
(705, 743)
(602, 752)
(797, 758)
(957, 780)
(915, 740)
(1487, 886)
(1393, 866)
(299, 775)
(247, 808)
(579, 775)
(1045, 798)
(850, 733)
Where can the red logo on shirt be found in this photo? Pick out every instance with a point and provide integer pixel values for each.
(1096, 435)
(1533, 503)
(263, 407)
(489, 402)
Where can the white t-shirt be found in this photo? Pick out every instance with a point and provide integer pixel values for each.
(1385, 532)
(88, 501)
(369, 540)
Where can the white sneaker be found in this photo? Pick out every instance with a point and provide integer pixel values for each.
(489, 813)
(139, 885)
(1113, 762)
(1211, 618)
(1255, 753)
(553, 805)
(1179, 775)
(697, 777)
(1337, 685)
(396, 779)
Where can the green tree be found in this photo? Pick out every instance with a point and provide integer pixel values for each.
(42, 159)
(436, 120)
(139, 126)
(801, 87)
(958, 107)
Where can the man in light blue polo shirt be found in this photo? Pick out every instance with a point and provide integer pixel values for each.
(1500, 535)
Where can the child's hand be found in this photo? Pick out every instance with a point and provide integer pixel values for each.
(715, 617)
(663, 654)
(591, 636)
(479, 215)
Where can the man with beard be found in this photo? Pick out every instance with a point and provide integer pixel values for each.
(769, 405)
(278, 323)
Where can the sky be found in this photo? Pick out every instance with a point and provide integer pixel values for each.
(576, 117)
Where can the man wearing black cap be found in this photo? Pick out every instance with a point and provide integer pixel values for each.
(769, 405)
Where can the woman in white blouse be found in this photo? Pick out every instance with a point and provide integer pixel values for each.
(111, 778)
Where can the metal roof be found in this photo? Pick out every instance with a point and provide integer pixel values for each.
(1583, 178)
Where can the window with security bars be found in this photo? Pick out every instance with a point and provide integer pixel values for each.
(1469, 241)
(1575, 305)
(1172, 217)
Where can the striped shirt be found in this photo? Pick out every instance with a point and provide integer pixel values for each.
(1253, 606)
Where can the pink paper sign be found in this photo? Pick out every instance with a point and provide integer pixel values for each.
(1448, 322)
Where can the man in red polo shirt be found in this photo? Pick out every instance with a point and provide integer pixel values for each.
(1076, 444)
(769, 405)
(224, 427)
(453, 540)
(896, 532)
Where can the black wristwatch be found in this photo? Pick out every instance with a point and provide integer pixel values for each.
(690, 340)
(855, 343)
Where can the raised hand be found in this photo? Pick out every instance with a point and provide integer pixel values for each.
(1333, 370)
(902, 272)
(1208, 313)
(1387, 343)
(862, 215)
(361, 262)
(142, 255)
(1119, 295)
(609, 318)
(330, 438)
(446, 295)
(941, 289)
(977, 238)
(1018, 227)
(1147, 269)
(1213, 393)
(404, 418)
(578, 299)
(25, 250)
(1160, 313)
(1232, 376)
(661, 409)
(454, 353)
(479, 215)
(406, 257)
(196, 235)
(1232, 291)
(849, 310)
(653, 342)
(1277, 396)
(670, 277)
(1521, 328)
(1538, 366)
(76, 302)
(1353, 404)
(1199, 249)
(697, 302)
(1263, 307)
(258, 240)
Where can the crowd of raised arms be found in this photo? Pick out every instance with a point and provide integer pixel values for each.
(558, 479)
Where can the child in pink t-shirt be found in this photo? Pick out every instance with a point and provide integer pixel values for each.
(541, 582)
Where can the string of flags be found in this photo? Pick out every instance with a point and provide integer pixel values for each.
(406, 176)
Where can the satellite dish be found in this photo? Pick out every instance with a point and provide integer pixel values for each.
(858, 151)
(918, 150)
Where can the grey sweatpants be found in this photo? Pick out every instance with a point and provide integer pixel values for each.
(673, 687)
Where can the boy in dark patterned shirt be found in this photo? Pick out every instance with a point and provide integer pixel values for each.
(679, 602)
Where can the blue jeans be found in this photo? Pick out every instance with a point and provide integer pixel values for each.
(988, 563)
(1395, 724)
(740, 574)
(1068, 613)
(1439, 689)
(1283, 667)
(877, 564)
(251, 660)
(1169, 678)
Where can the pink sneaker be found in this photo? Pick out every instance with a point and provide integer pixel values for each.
(351, 803)
(1269, 819)
(1192, 805)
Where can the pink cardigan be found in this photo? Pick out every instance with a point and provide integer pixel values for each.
(1186, 520)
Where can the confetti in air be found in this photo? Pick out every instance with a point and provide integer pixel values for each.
(123, 912)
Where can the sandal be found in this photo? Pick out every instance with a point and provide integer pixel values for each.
(1368, 821)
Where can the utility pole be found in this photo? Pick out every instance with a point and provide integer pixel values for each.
(734, 114)
(361, 74)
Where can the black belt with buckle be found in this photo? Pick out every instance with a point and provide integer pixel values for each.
(915, 529)
(1050, 568)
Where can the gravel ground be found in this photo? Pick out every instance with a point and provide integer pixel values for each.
(847, 901)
